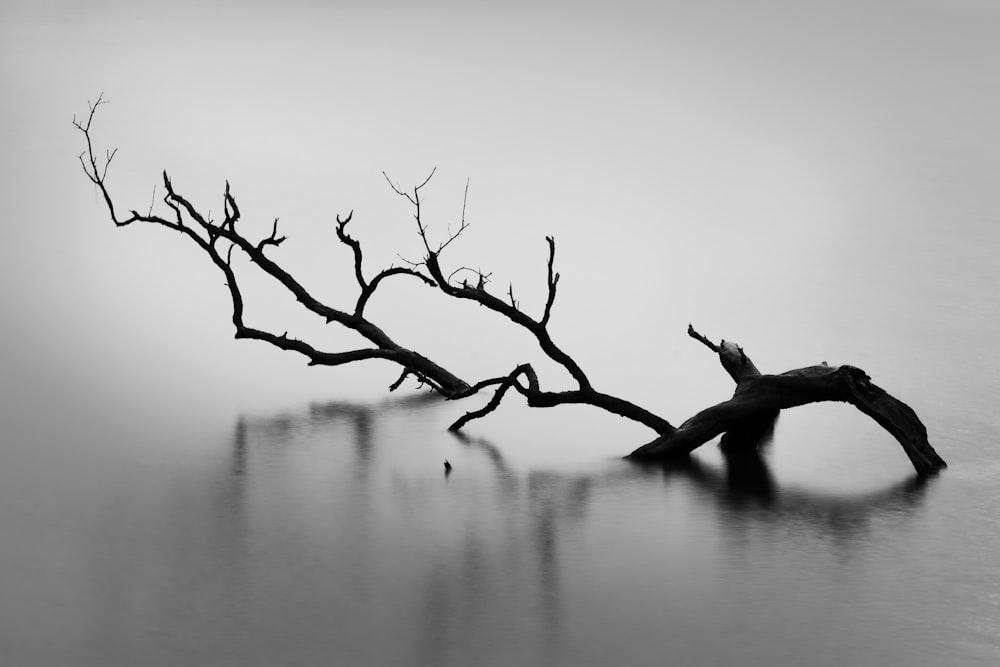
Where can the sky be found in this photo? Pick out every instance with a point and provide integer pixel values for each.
(774, 172)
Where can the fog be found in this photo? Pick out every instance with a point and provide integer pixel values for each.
(813, 181)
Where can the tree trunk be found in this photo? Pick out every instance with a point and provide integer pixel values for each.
(758, 399)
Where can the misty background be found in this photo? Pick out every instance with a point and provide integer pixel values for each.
(817, 181)
(773, 174)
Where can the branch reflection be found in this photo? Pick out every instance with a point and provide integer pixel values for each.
(457, 557)
(745, 490)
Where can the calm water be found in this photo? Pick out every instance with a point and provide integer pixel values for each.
(151, 526)
(817, 181)
(329, 534)
(147, 526)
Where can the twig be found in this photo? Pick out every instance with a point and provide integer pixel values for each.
(701, 339)
(552, 281)
(273, 239)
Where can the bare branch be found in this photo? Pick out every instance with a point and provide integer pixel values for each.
(396, 385)
(484, 298)
(548, 399)
(482, 279)
(415, 201)
(398, 191)
(355, 247)
(399, 271)
(486, 409)
(107, 162)
(585, 394)
(230, 210)
(427, 371)
(273, 239)
(763, 395)
(369, 289)
(502, 384)
(452, 237)
(427, 180)
(731, 356)
(465, 200)
(552, 281)
(757, 398)
(94, 174)
(413, 264)
(698, 337)
(205, 234)
(462, 227)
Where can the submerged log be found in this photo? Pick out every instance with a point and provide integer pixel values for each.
(758, 399)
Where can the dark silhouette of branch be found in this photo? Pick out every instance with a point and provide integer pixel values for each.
(368, 288)
(187, 220)
(502, 384)
(273, 239)
(584, 394)
(758, 398)
(553, 280)
(698, 337)
(747, 418)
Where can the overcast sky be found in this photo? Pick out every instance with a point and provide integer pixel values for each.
(727, 163)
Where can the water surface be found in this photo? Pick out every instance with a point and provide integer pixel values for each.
(331, 534)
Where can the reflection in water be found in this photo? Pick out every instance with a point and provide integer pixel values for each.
(461, 586)
(747, 489)
(330, 535)
(477, 563)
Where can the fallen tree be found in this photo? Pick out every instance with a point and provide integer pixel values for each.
(758, 399)
(743, 419)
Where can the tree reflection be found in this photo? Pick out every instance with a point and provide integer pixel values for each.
(746, 487)
(487, 548)
(745, 490)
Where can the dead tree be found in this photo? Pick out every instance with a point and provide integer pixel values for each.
(743, 418)
(759, 398)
